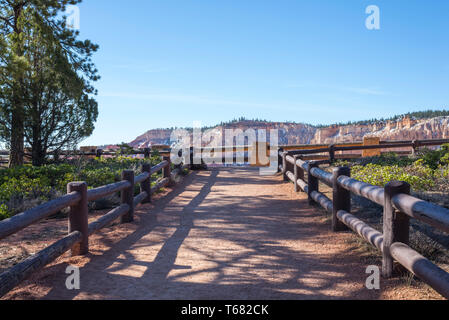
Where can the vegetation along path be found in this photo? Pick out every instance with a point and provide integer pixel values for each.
(221, 234)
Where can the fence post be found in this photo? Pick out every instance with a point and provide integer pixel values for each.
(280, 159)
(191, 158)
(284, 165)
(395, 224)
(415, 146)
(167, 170)
(300, 170)
(146, 184)
(312, 181)
(289, 167)
(299, 173)
(78, 218)
(332, 153)
(127, 196)
(341, 198)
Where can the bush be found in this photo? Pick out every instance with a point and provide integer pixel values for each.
(389, 158)
(38, 184)
(98, 177)
(4, 212)
(435, 158)
(419, 177)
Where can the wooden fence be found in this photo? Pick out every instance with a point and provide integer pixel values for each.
(93, 152)
(398, 208)
(77, 198)
(329, 152)
(309, 152)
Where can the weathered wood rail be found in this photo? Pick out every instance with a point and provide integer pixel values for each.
(92, 152)
(309, 152)
(77, 199)
(398, 207)
(393, 242)
(318, 152)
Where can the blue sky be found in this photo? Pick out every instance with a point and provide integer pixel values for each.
(168, 63)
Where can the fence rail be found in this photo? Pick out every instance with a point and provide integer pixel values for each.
(308, 152)
(318, 151)
(93, 152)
(398, 207)
(77, 199)
(393, 242)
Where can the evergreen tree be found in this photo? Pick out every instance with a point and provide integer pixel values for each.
(45, 79)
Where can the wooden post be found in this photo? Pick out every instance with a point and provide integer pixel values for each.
(332, 153)
(415, 146)
(341, 199)
(288, 168)
(147, 153)
(395, 224)
(127, 196)
(312, 181)
(300, 170)
(191, 158)
(78, 218)
(279, 159)
(284, 166)
(167, 170)
(146, 185)
(297, 173)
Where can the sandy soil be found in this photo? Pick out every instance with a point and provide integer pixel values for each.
(220, 234)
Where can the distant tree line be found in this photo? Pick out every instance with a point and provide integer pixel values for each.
(419, 115)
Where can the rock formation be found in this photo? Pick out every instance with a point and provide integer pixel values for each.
(298, 133)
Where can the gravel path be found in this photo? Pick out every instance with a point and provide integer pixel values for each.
(221, 234)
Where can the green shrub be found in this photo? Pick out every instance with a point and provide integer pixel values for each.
(98, 177)
(24, 183)
(4, 211)
(379, 175)
(435, 158)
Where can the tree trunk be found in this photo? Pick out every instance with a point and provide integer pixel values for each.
(38, 154)
(16, 152)
(38, 151)
(17, 117)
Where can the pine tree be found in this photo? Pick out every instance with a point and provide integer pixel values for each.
(45, 78)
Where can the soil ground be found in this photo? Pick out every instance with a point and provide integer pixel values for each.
(220, 234)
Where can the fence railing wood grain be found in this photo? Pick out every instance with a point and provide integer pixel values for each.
(308, 152)
(77, 199)
(322, 152)
(398, 207)
(306, 175)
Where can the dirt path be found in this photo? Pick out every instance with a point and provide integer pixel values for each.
(221, 234)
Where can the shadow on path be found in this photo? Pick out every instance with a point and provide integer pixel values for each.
(223, 234)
